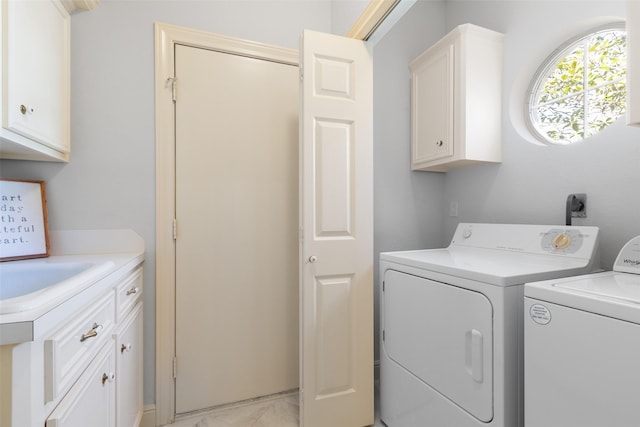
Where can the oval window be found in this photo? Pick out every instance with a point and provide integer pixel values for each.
(581, 88)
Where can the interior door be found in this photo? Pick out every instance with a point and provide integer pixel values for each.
(336, 217)
(237, 232)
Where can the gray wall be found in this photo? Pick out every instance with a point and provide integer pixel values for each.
(533, 181)
(344, 14)
(408, 206)
(110, 181)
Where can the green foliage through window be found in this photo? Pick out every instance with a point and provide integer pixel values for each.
(583, 90)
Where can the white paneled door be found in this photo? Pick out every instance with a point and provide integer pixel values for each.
(237, 228)
(273, 279)
(336, 286)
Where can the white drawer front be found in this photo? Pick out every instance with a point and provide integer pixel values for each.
(68, 352)
(129, 292)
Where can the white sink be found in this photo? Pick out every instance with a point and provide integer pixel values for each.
(25, 285)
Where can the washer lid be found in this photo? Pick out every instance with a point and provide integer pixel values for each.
(609, 293)
(497, 267)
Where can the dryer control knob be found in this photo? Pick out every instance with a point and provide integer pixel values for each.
(561, 241)
(466, 233)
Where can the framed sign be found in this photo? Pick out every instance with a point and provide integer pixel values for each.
(24, 231)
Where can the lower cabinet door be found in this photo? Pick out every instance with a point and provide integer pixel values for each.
(91, 401)
(129, 394)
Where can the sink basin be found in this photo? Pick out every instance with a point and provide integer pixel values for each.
(26, 285)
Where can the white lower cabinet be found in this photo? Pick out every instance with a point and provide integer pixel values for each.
(91, 401)
(109, 392)
(87, 369)
(129, 372)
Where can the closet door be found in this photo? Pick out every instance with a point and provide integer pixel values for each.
(336, 283)
(237, 228)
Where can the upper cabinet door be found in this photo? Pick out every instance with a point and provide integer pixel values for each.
(35, 75)
(432, 107)
(456, 101)
(336, 286)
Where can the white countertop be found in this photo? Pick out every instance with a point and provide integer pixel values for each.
(112, 253)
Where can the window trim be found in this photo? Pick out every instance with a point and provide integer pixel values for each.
(547, 65)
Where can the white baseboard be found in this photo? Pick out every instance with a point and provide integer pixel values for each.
(148, 416)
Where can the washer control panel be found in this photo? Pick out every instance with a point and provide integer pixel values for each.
(578, 241)
(628, 260)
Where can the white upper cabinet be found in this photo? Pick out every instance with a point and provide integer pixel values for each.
(633, 62)
(35, 80)
(456, 101)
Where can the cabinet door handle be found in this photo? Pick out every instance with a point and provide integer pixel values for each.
(125, 347)
(108, 377)
(131, 291)
(92, 333)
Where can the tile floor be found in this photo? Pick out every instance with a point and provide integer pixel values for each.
(277, 411)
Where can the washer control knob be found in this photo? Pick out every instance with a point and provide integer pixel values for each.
(561, 241)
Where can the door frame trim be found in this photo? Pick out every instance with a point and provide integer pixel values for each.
(166, 37)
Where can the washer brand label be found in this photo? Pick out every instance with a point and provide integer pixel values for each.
(633, 262)
(540, 314)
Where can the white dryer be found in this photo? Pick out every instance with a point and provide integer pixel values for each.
(451, 321)
(582, 347)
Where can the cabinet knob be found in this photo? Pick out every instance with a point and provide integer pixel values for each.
(108, 377)
(439, 143)
(24, 110)
(132, 291)
(313, 258)
(125, 347)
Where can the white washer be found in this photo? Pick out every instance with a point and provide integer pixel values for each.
(582, 347)
(451, 321)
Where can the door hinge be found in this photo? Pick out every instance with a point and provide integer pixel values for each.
(301, 72)
(384, 335)
(175, 367)
(383, 286)
(174, 82)
(174, 227)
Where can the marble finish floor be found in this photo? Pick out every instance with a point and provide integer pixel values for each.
(276, 411)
